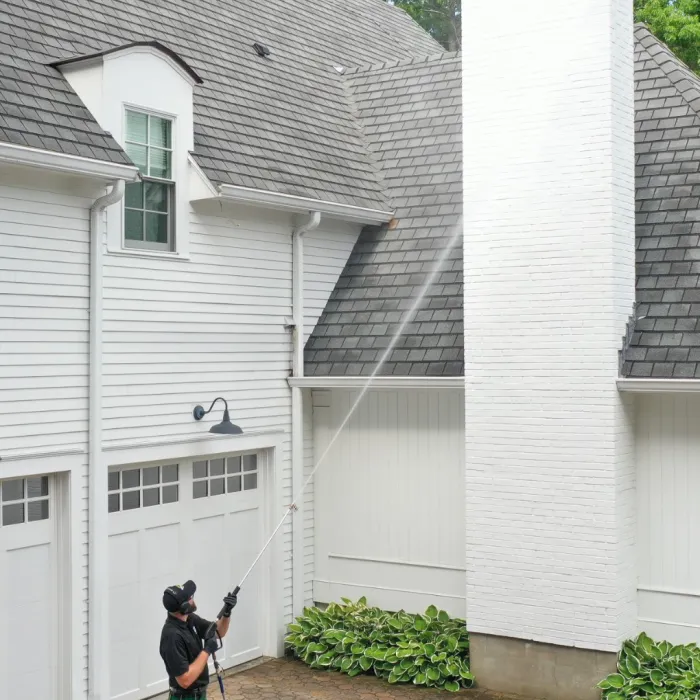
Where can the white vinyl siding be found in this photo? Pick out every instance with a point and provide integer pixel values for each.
(44, 287)
(309, 516)
(326, 250)
(389, 499)
(668, 523)
(179, 333)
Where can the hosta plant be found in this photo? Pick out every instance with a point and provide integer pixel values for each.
(428, 650)
(655, 670)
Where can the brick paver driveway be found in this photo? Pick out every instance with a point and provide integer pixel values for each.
(284, 679)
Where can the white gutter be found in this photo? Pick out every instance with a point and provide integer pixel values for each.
(310, 224)
(300, 205)
(377, 382)
(659, 386)
(98, 561)
(10, 154)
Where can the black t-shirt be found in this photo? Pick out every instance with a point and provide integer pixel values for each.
(180, 645)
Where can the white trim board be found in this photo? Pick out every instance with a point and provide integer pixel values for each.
(388, 598)
(207, 444)
(300, 205)
(377, 382)
(10, 154)
(659, 386)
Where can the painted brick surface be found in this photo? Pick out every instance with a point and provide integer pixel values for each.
(549, 286)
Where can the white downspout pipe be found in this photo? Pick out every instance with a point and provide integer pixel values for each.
(309, 224)
(98, 562)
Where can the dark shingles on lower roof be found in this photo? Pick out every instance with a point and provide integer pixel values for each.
(664, 342)
(281, 123)
(410, 112)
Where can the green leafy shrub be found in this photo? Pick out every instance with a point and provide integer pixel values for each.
(655, 670)
(429, 650)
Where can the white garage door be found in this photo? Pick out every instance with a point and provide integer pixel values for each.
(169, 523)
(28, 651)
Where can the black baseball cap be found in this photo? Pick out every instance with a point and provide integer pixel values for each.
(175, 596)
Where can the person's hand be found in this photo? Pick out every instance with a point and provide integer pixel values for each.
(229, 604)
(210, 645)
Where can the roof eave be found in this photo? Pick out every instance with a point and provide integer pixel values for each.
(293, 203)
(658, 386)
(359, 382)
(12, 154)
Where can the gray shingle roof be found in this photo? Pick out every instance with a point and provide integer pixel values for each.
(664, 337)
(280, 123)
(411, 117)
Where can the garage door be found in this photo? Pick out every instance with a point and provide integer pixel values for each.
(28, 653)
(169, 523)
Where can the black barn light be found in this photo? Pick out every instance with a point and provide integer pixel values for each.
(223, 428)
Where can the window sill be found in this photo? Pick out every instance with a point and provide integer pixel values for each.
(142, 253)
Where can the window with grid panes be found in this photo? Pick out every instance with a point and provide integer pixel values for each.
(143, 487)
(224, 475)
(24, 500)
(149, 205)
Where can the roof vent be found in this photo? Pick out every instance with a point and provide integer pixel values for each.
(261, 50)
(340, 69)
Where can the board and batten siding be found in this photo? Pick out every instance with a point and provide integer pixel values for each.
(389, 499)
(668, 490)
(178, 333)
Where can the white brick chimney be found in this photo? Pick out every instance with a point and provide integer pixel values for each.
(549, 287)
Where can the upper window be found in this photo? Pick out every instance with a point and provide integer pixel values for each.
(149, 205)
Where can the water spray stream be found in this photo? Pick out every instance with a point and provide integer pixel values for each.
(430, 280)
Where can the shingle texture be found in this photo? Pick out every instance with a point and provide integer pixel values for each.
(664, 338)
(411, 117)
(281, 123)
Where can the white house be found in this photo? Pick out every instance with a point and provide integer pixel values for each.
(244, 203)
(180, 188)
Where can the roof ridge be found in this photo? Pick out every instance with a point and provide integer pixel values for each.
(400, 63)
(681, 76)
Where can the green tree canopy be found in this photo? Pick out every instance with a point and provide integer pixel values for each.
(442, 19)
(676, 23)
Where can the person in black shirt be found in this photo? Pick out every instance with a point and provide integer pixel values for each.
(184, 645)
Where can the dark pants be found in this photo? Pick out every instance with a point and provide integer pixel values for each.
(201, 695)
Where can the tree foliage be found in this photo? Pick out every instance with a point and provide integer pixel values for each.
(676, 23)
(442, 19)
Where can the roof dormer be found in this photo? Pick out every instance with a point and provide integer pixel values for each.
(142, 93)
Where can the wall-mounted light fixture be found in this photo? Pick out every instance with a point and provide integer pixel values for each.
(223, 428)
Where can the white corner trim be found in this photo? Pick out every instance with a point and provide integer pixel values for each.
(206, 444)
(377, 382)
(11, 154)
(398, 562)
(659, 386)
(201, 187)
(292, 203)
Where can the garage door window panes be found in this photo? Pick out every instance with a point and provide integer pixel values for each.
(24, 500)
(140, 488)
(224, 475)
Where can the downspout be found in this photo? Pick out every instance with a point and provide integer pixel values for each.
(98, 587)
(309, 224)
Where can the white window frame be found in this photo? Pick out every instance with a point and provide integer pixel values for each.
(171, 245)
